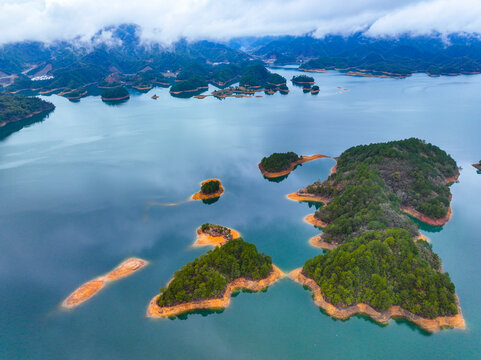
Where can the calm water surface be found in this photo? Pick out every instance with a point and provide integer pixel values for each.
(80, 192)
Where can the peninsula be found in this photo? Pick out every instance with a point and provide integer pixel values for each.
(209, 281)
(18, 107)
(209, 189)
(281, 164)
(217, 235)
(89, 289)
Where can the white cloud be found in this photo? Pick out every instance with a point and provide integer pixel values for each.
(165, 20)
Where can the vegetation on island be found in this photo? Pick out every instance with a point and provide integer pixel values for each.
(378, 262)
(207, 276)
(279, 161)
(115, 93)
(302, 79)
(382, 269)
(18, 107)
(194, 83)
(374, 182)
(315, 89)
(216, 230)
(276, 79)
(210, 187)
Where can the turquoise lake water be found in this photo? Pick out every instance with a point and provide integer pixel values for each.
(81, 191)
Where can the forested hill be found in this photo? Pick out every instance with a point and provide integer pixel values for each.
(374, 182)
(435, 55)
(18, 107)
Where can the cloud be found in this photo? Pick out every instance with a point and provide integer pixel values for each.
(167, 21)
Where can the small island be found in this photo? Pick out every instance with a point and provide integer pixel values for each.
(355, 278)
(315, 90)
(217, 235)
(209, 281)
(281, 164)
(478, 165)
(191, 86)
(209, 189)
(302, 80)
(89, 289)
(118, 93)
(19, 107)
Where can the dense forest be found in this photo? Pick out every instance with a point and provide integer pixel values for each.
(210, 187)
(279, 161)
(208, 275)
(373, 182)
(194, 83)
(17, 107)
(382, 269)
(115, 93)
(302, 79)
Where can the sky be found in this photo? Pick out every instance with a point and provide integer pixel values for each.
(165, 21)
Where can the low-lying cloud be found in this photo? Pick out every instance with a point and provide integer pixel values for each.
(167, 21)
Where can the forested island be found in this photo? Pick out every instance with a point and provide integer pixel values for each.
(208, 281)
(18, 107)
(281, 164)
(209, 189)
(378, 260)
(302, 80)
(115, 94)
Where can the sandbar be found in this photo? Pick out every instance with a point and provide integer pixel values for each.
(204, 239)
(155, 311)
(90, 288)
(430, 325)
(303, 159)
(318, 242)
(305, 196)
(311, 219)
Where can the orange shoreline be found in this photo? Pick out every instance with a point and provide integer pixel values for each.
(426, 219)
(303, 159)
(200, 196)
(155, 311)
(430, 325)
(311, 219)
(204, 239)
(186, 91)
(301, 196)
(477, 166)
(90, 288)
(115, 99)
(318, 242)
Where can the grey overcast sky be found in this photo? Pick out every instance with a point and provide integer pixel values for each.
(166, 20)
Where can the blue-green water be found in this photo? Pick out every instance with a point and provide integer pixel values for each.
(75, 191)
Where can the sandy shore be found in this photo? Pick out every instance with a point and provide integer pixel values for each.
(301, 196)
(452, 179)
(426, 219)
(154, 310)
(89, 289)
(430, 325)
(311, 219)
(318, 242)
(204, 239)
(189, 91)
(303, 159)
(200, 196)
(477, 166)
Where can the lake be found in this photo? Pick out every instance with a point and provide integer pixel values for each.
(85, 189)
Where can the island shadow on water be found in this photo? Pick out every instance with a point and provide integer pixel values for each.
(12, 127)
(211, 201)
(425, 227)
